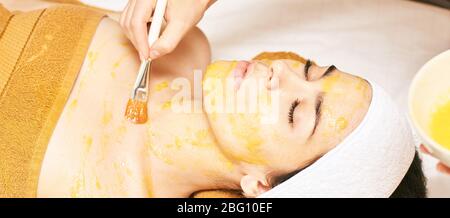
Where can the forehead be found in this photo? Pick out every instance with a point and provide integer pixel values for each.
(341, 83)
(345, 101)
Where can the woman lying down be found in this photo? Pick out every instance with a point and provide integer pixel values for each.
(317, 131)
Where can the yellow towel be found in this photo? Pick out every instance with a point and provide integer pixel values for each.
(41, 53)
(77, 2)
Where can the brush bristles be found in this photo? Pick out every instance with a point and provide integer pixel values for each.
(136, 112)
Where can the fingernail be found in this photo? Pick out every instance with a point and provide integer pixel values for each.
(154, 54)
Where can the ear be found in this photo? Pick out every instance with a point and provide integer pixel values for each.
(254, 186)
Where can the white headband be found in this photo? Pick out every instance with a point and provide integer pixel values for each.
(370, 162)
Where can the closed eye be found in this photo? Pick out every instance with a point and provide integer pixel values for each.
(294, 105)
(319, 102)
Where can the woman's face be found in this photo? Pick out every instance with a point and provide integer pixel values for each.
(302, 112)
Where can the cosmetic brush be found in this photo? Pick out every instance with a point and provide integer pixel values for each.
(136, 111)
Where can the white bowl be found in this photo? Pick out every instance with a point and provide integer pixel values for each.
(429, 88)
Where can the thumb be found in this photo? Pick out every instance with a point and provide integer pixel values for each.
(169, 40)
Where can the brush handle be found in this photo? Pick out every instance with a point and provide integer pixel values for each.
(158, 17)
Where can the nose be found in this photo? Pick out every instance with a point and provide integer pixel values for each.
(275, 72)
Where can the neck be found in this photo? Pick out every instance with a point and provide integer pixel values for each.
(185, 157)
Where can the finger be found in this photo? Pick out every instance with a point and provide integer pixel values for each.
(443, 168)
(127, 21)
(123, 17)
(123, 14)
(141, 16)
(169, 39)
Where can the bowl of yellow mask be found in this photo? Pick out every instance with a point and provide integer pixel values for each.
(429, 106)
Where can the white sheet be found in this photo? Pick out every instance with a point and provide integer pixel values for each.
(386, 41)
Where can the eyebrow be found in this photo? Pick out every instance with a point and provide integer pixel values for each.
(319, 101)
(308, 66)
(306, 69)
(329, 71)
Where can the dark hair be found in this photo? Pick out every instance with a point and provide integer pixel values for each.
(413, 184)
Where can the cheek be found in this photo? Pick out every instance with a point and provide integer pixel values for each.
(241, 137)
(217, 87)
(220, 70)
(247, 131)
(334, 122)
(280, 144)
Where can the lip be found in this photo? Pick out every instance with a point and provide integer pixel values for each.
(240, 72)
